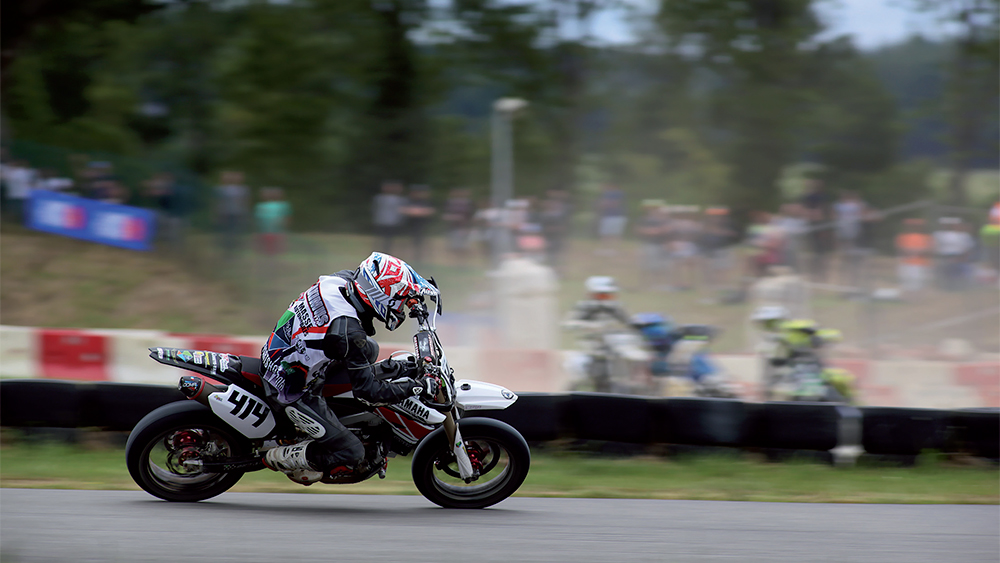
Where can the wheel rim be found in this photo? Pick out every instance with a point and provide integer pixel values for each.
(168, 459)
(491, 457)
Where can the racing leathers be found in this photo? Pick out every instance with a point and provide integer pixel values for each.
(324, 334)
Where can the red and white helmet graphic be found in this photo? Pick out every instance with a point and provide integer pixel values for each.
(385, 283)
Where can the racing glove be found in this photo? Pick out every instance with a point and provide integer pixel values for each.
(426, 388)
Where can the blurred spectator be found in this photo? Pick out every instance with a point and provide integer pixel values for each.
(612, 218)
(555, 217)
(766, 244)
(653, 230)
(161, 190)
(716, 237)
(486, 226)
(232, 208)
(814, 204)
(388, 213)
(528, 230)
(684, 235)
(5, 164)
(98, 180)
(79, 165)
(913, 249)
(989, 238)
(20, 180)
(458, 213)
(953, 247)
(53, 182)
(791, 220)
(272, 214)
(419, 212)
(849, 215)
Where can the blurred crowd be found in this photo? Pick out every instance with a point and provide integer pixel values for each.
(536, 227)
(825, 239)
(233, 213)
(830, 239)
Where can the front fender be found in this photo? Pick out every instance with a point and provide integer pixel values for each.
(478, 395)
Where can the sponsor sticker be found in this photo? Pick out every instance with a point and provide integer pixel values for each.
(223, 363)
(316, 306)
(159, 353)
(414, 409)
(190, 383)
(199, 358)
(185, 356)
(303, 315)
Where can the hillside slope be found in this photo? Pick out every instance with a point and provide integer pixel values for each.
(52, 281)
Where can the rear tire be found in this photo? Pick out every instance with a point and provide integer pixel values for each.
(172, 434)
(501, 452)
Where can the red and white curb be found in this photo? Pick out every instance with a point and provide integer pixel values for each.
(121, 356)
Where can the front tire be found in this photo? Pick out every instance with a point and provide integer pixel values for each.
(162, 446)
(501, 454)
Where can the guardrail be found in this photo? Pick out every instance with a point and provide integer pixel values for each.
(841, 431)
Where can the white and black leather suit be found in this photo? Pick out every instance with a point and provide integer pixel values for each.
(350, 350)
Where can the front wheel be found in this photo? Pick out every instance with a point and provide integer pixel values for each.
(164, 451)
(496, 449)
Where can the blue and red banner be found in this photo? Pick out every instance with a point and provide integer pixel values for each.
(87, 219)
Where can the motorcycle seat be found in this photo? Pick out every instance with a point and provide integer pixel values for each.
(250, 369)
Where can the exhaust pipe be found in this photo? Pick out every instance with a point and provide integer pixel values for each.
(197, 389)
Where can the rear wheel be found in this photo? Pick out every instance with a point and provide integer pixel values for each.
(165, 450)
(496, 449)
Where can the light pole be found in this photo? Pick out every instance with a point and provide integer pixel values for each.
(502, 166)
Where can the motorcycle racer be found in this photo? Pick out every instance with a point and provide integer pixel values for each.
(328, 329)
(601, 303)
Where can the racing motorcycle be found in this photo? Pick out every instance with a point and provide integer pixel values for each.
(794, 368)
(196, 449)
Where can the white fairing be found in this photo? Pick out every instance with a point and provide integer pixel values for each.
(418, 412)
(243, 411)
(479, 396)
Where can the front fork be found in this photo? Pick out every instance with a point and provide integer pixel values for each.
(457, 446)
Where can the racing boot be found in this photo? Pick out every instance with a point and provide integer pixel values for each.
(291, 460)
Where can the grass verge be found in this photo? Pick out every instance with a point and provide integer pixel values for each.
(554, 474)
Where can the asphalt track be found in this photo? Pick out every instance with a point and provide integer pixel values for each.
(124, 526)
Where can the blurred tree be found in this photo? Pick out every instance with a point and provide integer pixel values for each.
(973, 90)
(762, 52)
(854, 120)
(21, 21)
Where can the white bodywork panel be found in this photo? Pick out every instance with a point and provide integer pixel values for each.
(478, 395)
(243, 411)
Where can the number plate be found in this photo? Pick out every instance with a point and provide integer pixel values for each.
(243, 411)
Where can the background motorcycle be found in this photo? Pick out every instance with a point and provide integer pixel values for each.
(680, 351)
(611, 359)
(795, 370)
(197, 449)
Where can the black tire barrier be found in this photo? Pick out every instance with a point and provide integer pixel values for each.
(698, 422)
(29, 402)
(975, 432)
(117, 406)
(539, 417)
(793, 426)
(612, 418)
(903, 431)
(69, 404)
(776, 428)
